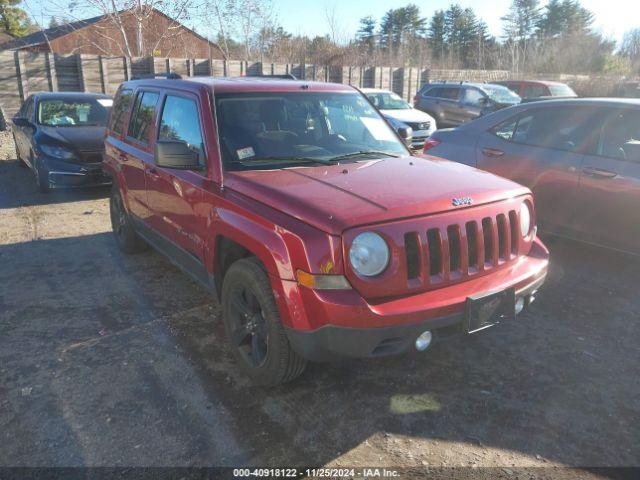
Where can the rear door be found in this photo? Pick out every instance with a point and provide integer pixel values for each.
(136, 150)
(609, 191)
(452, 110)
(23, 135)
(174, 195)
(541, 149)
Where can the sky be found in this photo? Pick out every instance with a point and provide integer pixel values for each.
(612, 17)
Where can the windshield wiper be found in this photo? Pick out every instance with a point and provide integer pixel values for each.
(287, 159)
(363, 152)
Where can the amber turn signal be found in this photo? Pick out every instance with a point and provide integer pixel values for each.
(322, 282)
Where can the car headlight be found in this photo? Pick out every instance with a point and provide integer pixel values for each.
(369, 254)
(56, 151)
(525, 219)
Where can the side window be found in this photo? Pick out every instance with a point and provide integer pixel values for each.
(120, 110)
(569, 129)
(450, 93)
(434, 92)
(180, 122)
(505, 129)
(620, 136)
(535, 91)
(141, 124)
(472, 96)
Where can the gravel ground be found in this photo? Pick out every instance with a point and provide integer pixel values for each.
(113, 360)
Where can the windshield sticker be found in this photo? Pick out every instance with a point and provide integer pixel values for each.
(378, 129)
(105, 102)
(245, 152)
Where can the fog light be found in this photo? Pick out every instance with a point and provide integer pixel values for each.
(423, 341)
(519, 305)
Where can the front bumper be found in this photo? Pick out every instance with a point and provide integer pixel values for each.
(325, 325)
(63, 174)
(419, 137)
(332, 342)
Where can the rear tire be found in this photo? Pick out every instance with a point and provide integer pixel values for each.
(258, 340)
(123, 230)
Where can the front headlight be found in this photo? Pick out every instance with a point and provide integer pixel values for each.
(525, 219)
(56, 151)
(369, 254)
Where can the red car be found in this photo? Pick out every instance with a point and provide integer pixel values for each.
(299, 207)
(531, 90)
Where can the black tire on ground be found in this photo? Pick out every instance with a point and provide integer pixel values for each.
(255, 332)
(42, 179)
(123, 230)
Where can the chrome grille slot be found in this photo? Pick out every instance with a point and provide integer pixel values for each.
(434, 243)
(472, 242)
(487, 233)
(515, 231)
(412, 249)
(453, 234)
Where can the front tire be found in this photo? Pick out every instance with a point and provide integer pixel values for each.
(255, 332)
(123, 230)
(42, 178)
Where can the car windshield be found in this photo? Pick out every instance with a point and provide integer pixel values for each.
(561, 91)
(74, 113)
(265, 130)
(500, 94)
(387, 101)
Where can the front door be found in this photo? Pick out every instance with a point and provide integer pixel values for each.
(541, 149)
(174, 196)
(609, 191)
(23, 135)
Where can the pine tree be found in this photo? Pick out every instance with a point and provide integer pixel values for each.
(14, 21)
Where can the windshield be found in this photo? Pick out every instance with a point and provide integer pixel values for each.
(500, 94)
(387, 101)
(74, 113)
(561, 91)
(262, 130)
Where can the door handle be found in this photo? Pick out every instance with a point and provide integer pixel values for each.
(123, 157)
(152, 172)
(492, 152)
(598, 173)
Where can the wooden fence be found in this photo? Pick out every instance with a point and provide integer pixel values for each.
(23, 73)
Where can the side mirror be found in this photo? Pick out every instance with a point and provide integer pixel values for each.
(22, 122)
(175, 154)
(405, 133)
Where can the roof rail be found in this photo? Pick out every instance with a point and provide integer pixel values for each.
(167, 75)
(281, 76)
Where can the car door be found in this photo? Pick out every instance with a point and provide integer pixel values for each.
(174, 195)
(609, 190)
(471, 104)
(542, 149)
(136, 151)
(452, 113)
(24, 135)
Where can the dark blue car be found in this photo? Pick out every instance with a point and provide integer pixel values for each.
(59, 136)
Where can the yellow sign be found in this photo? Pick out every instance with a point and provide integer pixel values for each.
(157, 53)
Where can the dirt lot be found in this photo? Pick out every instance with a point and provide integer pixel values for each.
(121, 361)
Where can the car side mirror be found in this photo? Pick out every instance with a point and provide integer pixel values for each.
(405, 133)
(22, 122)
(175, 154)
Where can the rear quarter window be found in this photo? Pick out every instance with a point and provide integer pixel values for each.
(121, 108)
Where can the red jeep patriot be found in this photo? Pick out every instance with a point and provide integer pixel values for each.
(303, 212)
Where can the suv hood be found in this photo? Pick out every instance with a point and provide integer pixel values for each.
(337, 197)
(408, 115)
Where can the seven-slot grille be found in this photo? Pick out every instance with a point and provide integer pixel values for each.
(461, 250)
